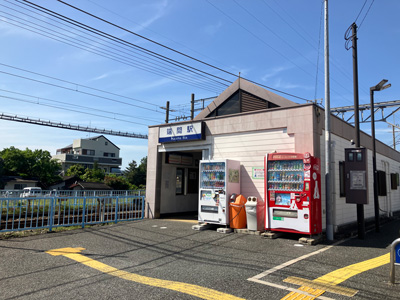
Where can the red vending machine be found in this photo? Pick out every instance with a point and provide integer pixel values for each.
(293, 193)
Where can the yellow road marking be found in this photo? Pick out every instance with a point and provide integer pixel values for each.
(186, 288)
(340, 275)
(322, 286)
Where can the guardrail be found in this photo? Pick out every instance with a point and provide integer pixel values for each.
(50, 212)
(72, 193)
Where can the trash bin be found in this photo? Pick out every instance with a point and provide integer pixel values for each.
(237, 212)
(255, 214)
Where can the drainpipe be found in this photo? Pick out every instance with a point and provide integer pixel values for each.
(386, 166)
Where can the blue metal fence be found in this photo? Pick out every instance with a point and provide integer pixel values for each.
(51, 212)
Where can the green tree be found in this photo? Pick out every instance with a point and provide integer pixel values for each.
(94, 175)
(30, 164)
(135, 174)
(117, 182)
(130, 171)
(76, 170)
(1, 173)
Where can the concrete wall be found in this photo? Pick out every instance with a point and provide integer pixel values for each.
(347, 213)
(246, 137)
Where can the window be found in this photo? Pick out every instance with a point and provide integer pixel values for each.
(19, 186)
(381, 183)
(180, 177)
(106, 154)
(342, 179)
(394, 180)
(88, 152)
(106, 143)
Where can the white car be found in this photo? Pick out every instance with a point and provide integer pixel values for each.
(31, 192)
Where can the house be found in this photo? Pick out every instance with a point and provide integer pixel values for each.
(18, 183)
(244, 123)
(88, 151)
(64, 183)
(96, 186)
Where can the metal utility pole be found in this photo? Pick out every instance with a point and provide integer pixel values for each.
(360, 207)
(167, 113)
(328, 169)
(192, 108)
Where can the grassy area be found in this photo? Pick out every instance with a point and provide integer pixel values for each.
(24, 233)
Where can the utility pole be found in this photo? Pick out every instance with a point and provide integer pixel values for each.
(360, 207)
(328, 165)
(167, 113)
(192, 108)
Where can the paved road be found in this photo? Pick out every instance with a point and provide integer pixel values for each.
(165, 259)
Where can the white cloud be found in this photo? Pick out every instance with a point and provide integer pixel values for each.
(212, 29)
(279, 83)
(273, 72)
(109, 74)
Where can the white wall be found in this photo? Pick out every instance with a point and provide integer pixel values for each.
(347, 213)
(250, 149)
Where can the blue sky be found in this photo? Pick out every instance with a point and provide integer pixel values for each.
(275, 43)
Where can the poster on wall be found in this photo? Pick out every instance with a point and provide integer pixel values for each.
(258, 173)
(233, 176)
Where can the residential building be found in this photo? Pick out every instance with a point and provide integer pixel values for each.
(88, 151)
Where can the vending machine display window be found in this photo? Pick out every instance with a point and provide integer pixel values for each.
(292, 193)
(282, 199)
(218, 179)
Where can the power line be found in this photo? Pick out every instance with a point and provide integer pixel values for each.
(366, 14)
(365, 2)
(76, 23)
(74, 105)
(121, 58)
(96, 31)
(70, 110)
(159, 34)
(159, 44)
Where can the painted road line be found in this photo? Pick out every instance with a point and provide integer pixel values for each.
(288, 289)
(186, 288)
(322, 286)
(338, 276)
(293, 261)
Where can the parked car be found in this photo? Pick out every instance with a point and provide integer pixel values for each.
(31, 192)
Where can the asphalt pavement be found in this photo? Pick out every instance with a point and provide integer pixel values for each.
(167, 259)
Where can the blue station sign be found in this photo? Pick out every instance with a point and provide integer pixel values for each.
(181, 132)
(397, 254)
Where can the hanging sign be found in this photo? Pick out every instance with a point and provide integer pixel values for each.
(181, 132)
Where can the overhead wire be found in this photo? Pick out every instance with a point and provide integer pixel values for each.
(153, 31)
(362, 21)
(168, 48)
(97, 31)
(71, 110)
(77, 105)
(334, 63)
(82, 92)
(275, 50)
(172, 75)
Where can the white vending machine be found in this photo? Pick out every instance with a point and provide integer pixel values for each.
(219, 179)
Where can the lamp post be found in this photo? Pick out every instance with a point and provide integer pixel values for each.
(379, 87)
